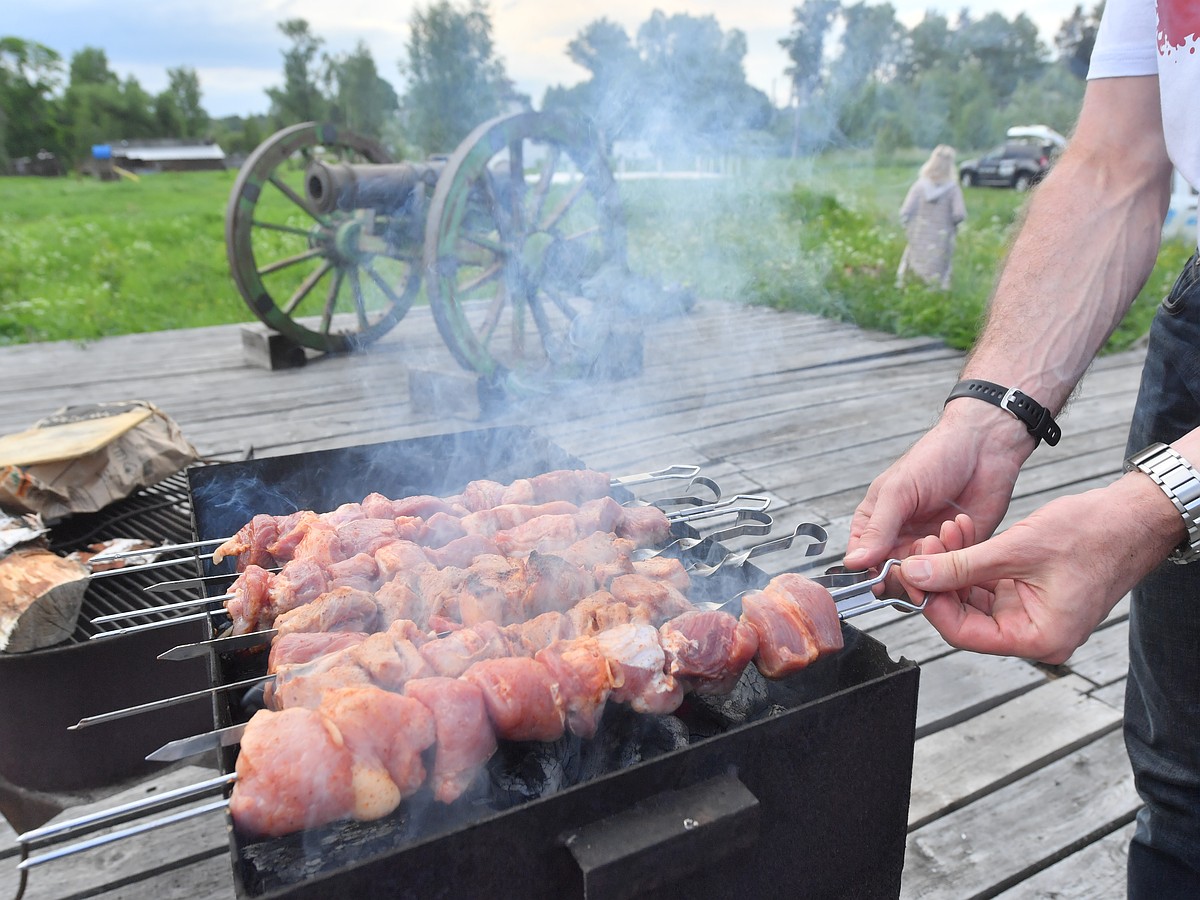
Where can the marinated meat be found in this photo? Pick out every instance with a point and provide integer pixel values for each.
(708, 650)
(585, 679)
(386, 734)
(453, 654)
(553, 585)
(465, 739)
(294, 772)
(522, 698)
(656, 600)
(664, 568)
(796, 621)
(342, 609)
(302, 647)
(527, 638)
(646, 526)
(638, 665)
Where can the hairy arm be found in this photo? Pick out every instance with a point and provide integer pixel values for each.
(1088, 243)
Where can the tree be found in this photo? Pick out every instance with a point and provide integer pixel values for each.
(455, 79)
(361, 100)
(1076, 37)
(805, 48)
(611, 97)
(99, 108)
(300, 99)
(30, 76)
(177, 110)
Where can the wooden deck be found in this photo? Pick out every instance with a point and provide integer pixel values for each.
(1021, 787)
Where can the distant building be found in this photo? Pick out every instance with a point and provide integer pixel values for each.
(43, 163)
(146, 156)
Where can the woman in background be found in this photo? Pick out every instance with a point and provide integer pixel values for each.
(931, 212)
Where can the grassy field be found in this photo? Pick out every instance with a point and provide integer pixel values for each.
(81, 259)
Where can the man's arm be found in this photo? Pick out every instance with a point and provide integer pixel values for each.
(1088, 243)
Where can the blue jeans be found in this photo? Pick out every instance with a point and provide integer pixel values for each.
(1162, 699)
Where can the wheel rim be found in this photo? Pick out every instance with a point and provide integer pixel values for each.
(329, 281)
(521, 272)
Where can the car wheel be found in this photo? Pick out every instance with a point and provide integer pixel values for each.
(1022, 182)
(967, 179)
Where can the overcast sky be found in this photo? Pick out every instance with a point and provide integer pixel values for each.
(235, 47)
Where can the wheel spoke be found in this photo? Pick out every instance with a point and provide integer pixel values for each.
(295, 198)
(567, 202)
(360, 303)
(486, 243)
(331, 301)
(306, 287)
(492, 319)
(271, 226)
(479, 281)
(542, 321)
(579, 235)
(291, 261)
(381, 284)
(566, 308)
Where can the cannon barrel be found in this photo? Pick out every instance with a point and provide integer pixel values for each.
(384, 187)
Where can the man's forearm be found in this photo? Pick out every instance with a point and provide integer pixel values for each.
(1087, 246)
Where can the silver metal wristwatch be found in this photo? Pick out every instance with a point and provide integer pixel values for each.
(1181, 483)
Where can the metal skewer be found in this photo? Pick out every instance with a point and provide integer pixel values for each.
(165, 548)
(88, 721)
(166, 607)
(805, 529)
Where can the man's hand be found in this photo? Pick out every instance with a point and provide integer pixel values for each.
(968, 463)
(1038, 589)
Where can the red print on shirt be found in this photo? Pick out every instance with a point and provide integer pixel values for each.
(1178, 21)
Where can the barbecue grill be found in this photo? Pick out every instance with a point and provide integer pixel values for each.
(45, 691)
(807, 793)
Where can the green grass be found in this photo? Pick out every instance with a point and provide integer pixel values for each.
(81, 259)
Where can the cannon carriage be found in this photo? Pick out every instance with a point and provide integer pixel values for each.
(515, 240)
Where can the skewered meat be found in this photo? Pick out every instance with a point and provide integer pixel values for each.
(656, 600)
(269, 540)
(453, 654)
(585, 679)
(302, 647)
(465, 740)
(294, 772)
(796, 621)
(522, 698)
(342, 609)
(639, 675)
(357, 756)
(708, 650)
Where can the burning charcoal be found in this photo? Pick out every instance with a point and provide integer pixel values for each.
(748, 697)
(525, 771)
(664, 734)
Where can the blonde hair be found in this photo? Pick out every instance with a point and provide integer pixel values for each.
(940, 165)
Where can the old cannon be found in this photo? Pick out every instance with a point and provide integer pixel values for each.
(515, 241)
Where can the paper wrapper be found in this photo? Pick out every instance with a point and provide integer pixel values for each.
(85, 457)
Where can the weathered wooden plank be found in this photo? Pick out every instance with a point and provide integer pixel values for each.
(1097, 872)
(953, 767)
(956, 687)
(1104, 659)
(971, 852)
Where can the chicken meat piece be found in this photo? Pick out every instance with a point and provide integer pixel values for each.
(796, 622)
(422, 506)
(482, 494)
(302, 647)
(305, 686)
(527, 638)
(398, 602)
(461, 552)
(366, 535)
(553, 585)
(493, 590)
(602, 555)
(708, 650)
(602, 611)
(638, 665)
(585, 679)
(452, 655)
(386, 734)
(659, 599)
(646, 526)
(522, 698)
(342, 609)
(400, 559)
(250, 544)
(359, 571)
(487, 522)
(545, 533)
(664, 568)
(250, 605)
(389, 659)
(576, 485)
(294, 772)
(465, 739)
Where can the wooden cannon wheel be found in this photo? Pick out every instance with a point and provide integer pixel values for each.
(525, 248)
(333, 281)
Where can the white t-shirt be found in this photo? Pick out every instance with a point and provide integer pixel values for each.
(1141, 37)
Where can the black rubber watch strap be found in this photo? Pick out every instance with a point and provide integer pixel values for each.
(1036, 417)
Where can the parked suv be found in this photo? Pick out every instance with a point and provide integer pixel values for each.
(1016, 164)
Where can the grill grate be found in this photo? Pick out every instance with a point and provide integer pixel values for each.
(160, 514)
